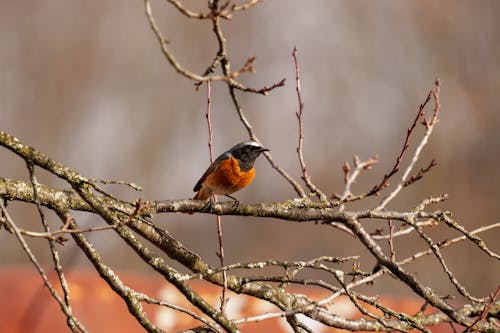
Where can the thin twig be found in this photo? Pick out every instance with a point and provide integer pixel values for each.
(220, 253)
(222, 12)
(340, 278)
(391, 240)
(445, 243)
(117, 182)
(168, 54)
(150, 300)
(409, 279)
(322, 303)
(385, 181)
(350, 177)
(420, 173)
(68, 227)
(429, 125)
(245, 6)
(435, 249)
(209, 122)
(406, 231)
(340, 226)
(410, 320)
(313, 263)
(476, 240)
(430, 200)
(55, 235)
(299, 114)
(487, 307)
(189, 13)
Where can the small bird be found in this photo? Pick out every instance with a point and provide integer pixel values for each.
(230, 172)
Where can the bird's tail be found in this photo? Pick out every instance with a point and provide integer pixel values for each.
(203, 194)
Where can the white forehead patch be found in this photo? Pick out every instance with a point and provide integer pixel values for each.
(252, 143)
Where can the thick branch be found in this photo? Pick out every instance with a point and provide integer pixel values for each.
(291, 210)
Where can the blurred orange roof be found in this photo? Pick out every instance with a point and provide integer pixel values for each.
(26, 306)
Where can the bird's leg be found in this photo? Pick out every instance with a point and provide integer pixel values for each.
(235, 201)
(209, 203)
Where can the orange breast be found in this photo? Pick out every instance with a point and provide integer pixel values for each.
(229, 178)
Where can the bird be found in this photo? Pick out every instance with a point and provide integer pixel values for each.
(230, 172)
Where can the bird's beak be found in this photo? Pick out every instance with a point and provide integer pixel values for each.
(263, 149)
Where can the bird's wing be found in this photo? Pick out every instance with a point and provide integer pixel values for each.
(210, 169)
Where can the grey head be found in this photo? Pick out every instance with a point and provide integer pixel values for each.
(246, 153)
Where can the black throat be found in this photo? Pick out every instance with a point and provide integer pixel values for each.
(246, 163)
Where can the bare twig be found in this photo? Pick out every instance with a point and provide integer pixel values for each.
(340, 226)
(430, 200)
(406, 231)
(313, 263)
(168, 54)
(220, 252)
(221, 12)
(245, 6)
(487, 307)
(150, 300)
(429, 125)
(410, 280)
(391, 240)
(189, 13)
(64, 230)
(209, 122)
(387, 325)
(299, 114)
(420, 173)
(385, 181)
(447, 242)
(248, 67)
(409, 320)
(435, 249)
(350, 178)
(445, 216)
(117, 182)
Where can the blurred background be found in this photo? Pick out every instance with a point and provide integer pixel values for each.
(86, 83)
